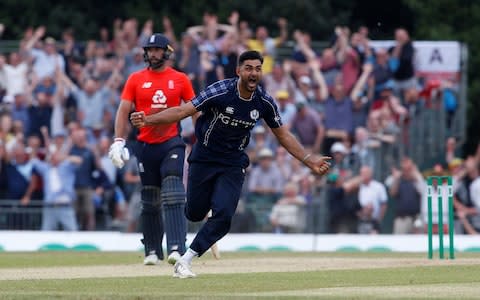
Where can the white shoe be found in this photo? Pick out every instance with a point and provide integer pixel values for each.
(173, 257)
(151, 259)
(182, 270)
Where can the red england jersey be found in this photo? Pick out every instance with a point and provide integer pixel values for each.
(152, 92)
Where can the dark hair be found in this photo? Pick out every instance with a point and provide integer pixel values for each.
(249, 55)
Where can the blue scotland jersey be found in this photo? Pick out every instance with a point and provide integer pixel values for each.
(223, 129)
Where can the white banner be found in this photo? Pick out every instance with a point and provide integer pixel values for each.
(116, 241)
(431, 57)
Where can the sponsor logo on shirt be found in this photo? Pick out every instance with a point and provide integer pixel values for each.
(159, 100)
(227, 120)
(229, 110)
(146, 85)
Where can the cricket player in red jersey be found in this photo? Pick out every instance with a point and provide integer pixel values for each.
(160, 149)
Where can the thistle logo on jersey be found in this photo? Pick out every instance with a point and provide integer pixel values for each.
(254, 114)
(159, 100)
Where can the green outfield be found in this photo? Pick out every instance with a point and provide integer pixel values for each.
(245, 275)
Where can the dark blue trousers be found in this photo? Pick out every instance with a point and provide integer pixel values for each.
(216, 187)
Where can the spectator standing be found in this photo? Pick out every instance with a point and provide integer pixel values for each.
(406, 187)
(466, 203)
(338, 115)
(372, 197)
(84, 206)
(403, 52)
(288, 214)
(58, 174)
(308, 127)
(187, 59)
(47, 58)
(14, 76)
(267, 45)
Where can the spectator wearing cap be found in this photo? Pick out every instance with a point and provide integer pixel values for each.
(260, 139)
(342, 164)
(46, 59)
(304, 92)
(342, 202)
(307, 126)
(266, 180)
(286, 108)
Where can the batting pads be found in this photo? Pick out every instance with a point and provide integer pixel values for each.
(152, 222)
(173, 205)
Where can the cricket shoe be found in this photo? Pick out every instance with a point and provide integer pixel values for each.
(182, 270)
(173, 257)
(151, 259)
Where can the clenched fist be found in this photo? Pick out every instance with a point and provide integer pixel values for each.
(138, 119)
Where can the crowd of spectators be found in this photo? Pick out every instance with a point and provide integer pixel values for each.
(347, 100)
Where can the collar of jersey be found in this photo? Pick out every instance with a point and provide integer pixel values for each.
(238, 92)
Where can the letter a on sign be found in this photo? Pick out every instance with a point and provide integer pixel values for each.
(436, 56)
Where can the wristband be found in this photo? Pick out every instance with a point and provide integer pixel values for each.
(306, 157)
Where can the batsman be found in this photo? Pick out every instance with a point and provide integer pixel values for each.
(160, 149)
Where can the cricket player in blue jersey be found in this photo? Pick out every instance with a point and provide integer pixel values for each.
(230, 109)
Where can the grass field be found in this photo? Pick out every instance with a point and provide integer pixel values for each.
(245, 275)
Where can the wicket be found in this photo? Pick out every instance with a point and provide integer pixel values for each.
(432, 182)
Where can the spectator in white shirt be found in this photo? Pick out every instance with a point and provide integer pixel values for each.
(13, 76)
(372, 197)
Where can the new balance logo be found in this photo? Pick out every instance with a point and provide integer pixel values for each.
(146, 85)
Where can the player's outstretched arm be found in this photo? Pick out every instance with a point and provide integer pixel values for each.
(317, 163)
(169, 115)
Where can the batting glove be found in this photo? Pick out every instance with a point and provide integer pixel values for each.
(118, 154)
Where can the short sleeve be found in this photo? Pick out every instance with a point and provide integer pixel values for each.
(270, 113)
(187, 93)
(128, 92)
